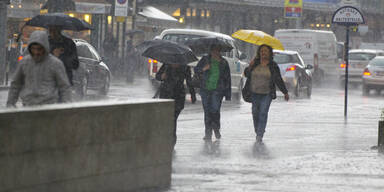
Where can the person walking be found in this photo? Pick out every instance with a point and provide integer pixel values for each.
(40, 77)
(264, 75)
(172, 78)
(65, 49)
(214, 86)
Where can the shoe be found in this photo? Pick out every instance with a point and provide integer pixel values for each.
(207, 137)
(259, 139)
(217, 134)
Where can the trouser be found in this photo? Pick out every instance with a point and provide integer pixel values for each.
(260, 108)
(211, 104)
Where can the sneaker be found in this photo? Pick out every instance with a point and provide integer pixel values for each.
(207, 138)
(259, 139)
(217, 134)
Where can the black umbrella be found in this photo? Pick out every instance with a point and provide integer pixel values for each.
(204, 45)
(59, 19)
(168, 52)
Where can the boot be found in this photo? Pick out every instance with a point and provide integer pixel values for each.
(217, 133)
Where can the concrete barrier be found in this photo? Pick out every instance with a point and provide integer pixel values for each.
(108, 147)
(380, 142)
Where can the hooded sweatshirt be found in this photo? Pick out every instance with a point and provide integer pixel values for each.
(38, 83)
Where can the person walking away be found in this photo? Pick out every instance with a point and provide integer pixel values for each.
(65, 49)
(215, 85)
(131, 61)
(40, 77)
(109, 47)
(172, 78)
(264, 74)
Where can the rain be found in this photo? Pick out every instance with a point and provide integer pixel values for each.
(191, 95)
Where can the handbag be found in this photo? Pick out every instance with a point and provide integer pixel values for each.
(246, 91)
(196, 80)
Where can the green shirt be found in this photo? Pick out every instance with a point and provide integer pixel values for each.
(214, 74)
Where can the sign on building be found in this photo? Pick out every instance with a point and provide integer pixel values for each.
(348, 15)
(121, 8)
(293, 8)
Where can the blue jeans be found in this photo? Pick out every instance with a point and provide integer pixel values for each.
(211, 103)
(260, 108)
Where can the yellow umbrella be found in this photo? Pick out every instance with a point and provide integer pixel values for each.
(258, 37)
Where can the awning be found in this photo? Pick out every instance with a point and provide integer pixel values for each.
(93, 8)
(154, 13)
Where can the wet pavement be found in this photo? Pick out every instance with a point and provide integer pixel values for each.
(308, 145)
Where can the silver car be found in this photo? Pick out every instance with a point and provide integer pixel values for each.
(295, 73)
(373, 75)
(358, 60)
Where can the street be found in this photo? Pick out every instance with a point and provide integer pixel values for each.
(308, 146)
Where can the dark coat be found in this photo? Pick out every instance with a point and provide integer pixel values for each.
(224, 83)
(173, 86)
(69, 57)
(275, 77)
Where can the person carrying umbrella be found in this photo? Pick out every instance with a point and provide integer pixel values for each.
(172, 78)
(172, 73)
(263, 74)
(65, 49)
(215, 84)
(62, 47)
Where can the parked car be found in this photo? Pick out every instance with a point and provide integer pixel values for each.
(93, 73)
(358, 61)
(295, 73)
(373, 75)
(235, 58)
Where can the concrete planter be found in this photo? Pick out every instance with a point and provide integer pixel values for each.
(380, 142)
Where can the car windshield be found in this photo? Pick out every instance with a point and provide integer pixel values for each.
(284, 58)
(377, 62)
(180, 38)
(361, 56)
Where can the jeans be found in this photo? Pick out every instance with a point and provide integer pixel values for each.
(260, 108)
(211, 103)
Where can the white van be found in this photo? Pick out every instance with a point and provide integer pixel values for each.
(318, 48)
(235, 58)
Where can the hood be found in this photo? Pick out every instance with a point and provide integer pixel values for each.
(39, 37)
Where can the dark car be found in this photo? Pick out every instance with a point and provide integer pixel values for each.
(295, 73)
(93, 73)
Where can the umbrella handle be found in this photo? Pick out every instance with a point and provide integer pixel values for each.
(20, 33)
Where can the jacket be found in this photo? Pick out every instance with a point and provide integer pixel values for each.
(69, 57)
(276, 78)
(224, 82)
(39, 83)
(173, 86)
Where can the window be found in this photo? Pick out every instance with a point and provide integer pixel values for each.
(285, 58)
(83, 51)
(180, 38)
(361, 56)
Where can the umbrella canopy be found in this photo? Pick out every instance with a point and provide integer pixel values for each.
(204, 45)
(169, 52)
(258, 38)
(59, 19)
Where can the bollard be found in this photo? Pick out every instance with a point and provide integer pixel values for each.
(380, 142)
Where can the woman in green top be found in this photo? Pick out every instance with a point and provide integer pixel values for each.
(215, 84)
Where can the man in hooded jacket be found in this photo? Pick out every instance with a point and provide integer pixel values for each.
(41, 77)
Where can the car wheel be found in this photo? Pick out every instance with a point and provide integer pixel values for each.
(104, 90)
(365, 90)
(297, 88)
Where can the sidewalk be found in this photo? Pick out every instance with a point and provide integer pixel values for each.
(307, 147)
